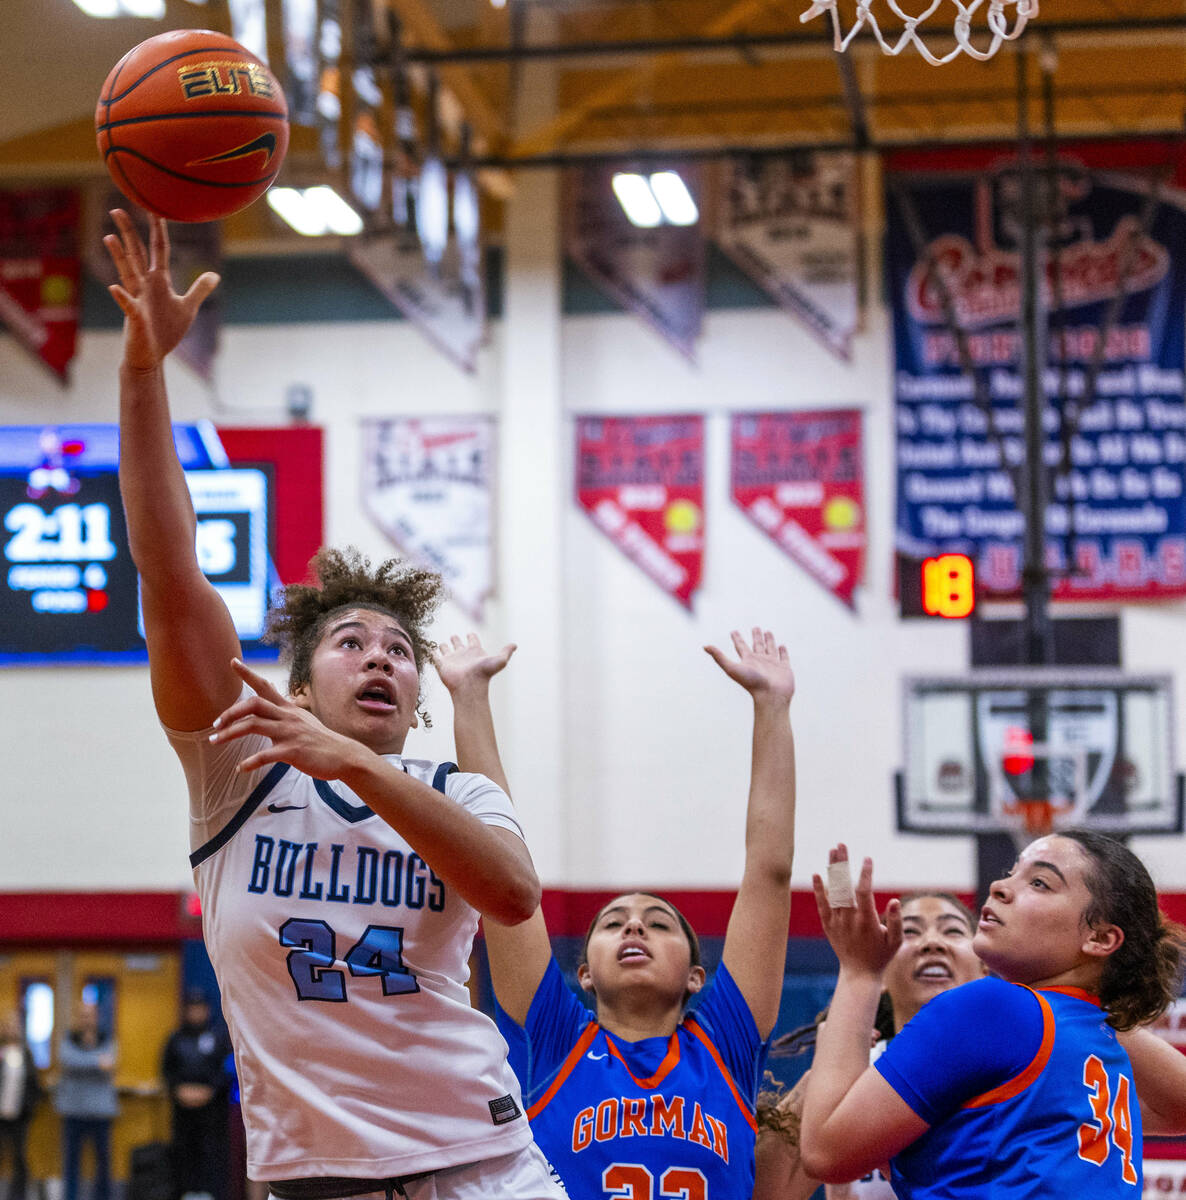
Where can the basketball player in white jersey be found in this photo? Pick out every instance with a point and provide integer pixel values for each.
(341, 883)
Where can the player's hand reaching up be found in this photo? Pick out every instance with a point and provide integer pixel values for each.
(156, 317)
(297, 737)
(467, 664)
(763, 668)
(863, 944)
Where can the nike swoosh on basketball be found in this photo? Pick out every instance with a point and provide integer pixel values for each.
(285, 807)
(265, 144)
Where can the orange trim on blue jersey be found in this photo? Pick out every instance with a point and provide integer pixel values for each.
(698, 1031)
(1077, 993)
(670, 1061)
(566, 1068)
(1037, 1064)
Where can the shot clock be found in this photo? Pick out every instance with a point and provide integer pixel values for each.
(69, 590)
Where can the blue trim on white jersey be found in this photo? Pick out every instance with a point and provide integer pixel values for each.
(359, 812)
(237, 822)
(347, 811)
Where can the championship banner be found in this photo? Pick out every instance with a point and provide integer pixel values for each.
(447, 302)
(641, 480)
(1116, 523)
(39, 272)
(799, 477)
(428, 483)
(656, 273)
(791, 223)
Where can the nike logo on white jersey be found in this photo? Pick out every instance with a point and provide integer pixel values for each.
(279, 808)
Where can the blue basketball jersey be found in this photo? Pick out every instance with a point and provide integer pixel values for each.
(659, 1117)
(1028, 1094)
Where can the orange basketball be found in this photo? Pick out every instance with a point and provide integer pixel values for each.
(191, 125)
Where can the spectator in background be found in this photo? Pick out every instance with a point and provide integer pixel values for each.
(19, 1092)
(85, 1099)
(193, 1065)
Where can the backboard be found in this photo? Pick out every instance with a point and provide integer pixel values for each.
(1022, 750)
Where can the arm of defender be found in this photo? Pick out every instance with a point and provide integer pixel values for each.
(519, 954)
(756, 937)
(1159, 1072)
(191, 638)
(853, 1120)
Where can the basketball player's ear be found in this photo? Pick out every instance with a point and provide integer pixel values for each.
(1103, 940)
(299, 695)
(585, 978)
(695, 979)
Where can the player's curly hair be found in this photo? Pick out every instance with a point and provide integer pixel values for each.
(1144, 975)
(345, 579)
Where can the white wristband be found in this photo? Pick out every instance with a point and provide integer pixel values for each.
(840, 894)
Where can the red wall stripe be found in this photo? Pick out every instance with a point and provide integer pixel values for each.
(95, 917)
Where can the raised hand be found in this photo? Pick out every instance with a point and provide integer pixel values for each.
(862, 943)
(156, 317)
(763, 668)
(297, 737)
(460, 664)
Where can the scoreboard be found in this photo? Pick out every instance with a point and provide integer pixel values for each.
(69, 591)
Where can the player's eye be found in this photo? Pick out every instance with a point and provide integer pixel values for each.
(398, 649)
(1039, 882)
(955, 931)
(352, 642)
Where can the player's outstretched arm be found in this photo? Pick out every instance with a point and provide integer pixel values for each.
(488, 867)
(756, 939)
(191, 638)
(519, 954)
(852, 1119)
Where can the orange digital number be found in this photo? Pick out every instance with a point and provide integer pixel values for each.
(948, 586)
(1111, 1118)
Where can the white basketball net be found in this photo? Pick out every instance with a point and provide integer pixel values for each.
(995, 15)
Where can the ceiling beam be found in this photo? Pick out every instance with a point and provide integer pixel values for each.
(741, 42)
(552, 132)
(418, 20)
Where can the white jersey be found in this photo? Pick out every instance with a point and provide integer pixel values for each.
(342, 959)
(875, 1185)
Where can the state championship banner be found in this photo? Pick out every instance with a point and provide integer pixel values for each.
(792, 224)
(799, 476)
(641, 481)
(428, 483)
(1114, 419)
(40, 271)
(657, 273)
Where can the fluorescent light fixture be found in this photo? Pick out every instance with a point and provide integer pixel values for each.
(153, 9)
(636, 198)
(674, 198)
(314, 211)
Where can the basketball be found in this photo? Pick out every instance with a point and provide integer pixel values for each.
(191, 126)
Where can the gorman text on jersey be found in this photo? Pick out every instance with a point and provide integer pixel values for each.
(649, 1116)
